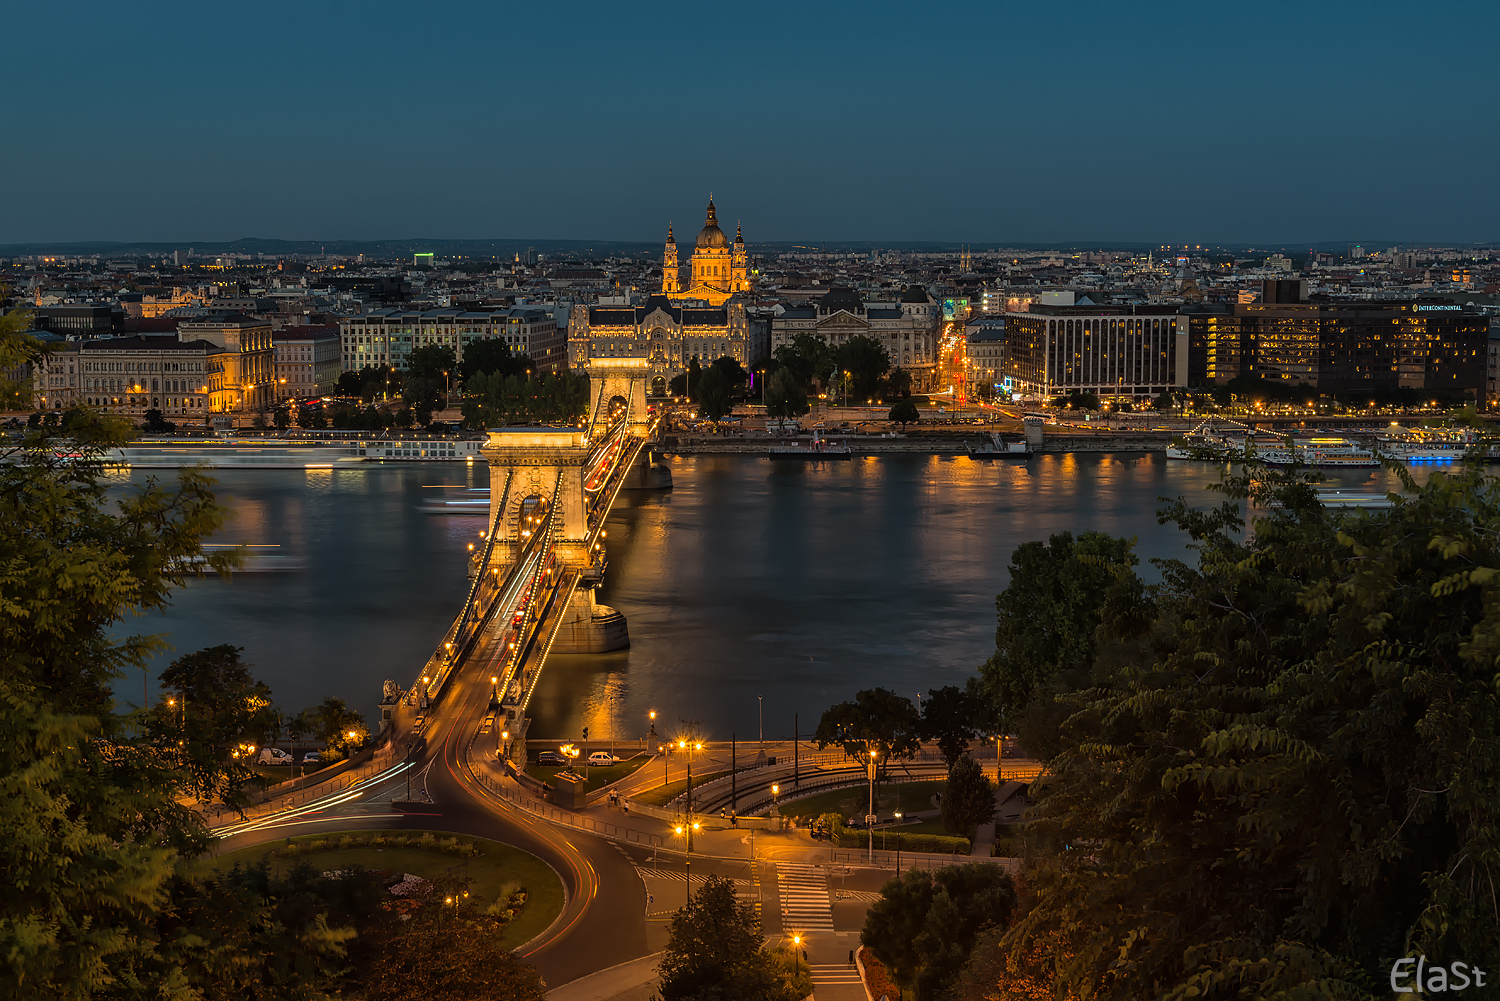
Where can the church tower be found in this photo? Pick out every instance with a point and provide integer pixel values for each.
(671, 277)
(739, 264)
(711, 256)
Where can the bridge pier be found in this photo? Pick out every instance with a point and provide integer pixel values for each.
(591, 627)
(648, 474)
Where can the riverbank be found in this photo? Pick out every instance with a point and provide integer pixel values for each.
(924, 444)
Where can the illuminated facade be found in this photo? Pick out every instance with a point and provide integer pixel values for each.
(386, 337)
(908, 329)
(1342, 346)
(241, 377)
(128, 376)
(1107, 351)
(717, 270)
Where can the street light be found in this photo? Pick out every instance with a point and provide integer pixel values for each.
(870, 817)
(775, 799)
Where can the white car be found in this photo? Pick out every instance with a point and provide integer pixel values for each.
(312, 757)
(274, 756)
(602, 759)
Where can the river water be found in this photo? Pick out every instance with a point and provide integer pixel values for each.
(754, 591)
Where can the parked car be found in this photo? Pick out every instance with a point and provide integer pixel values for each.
(312, 757)
(274, 756)
(550, 758)
(602, 759)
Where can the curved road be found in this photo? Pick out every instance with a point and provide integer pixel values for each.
(603, 918)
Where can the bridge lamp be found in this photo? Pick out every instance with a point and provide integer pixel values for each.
(471, 547)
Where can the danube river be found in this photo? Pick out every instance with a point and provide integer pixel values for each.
(751, 587)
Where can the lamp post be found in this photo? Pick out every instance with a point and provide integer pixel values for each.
(760, 703)
(870, 817)
(686, 830)
(775, 800)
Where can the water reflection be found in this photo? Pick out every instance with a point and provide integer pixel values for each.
(799, 583)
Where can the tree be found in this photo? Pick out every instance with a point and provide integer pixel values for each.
(715, 952)
(90, 823)
(1047, 624)
(950, 716)
(784, 396)
(283, 418)
(492, 356)
(968, 799)
(904, 412)
(448, 951)
(713, 394)
(925, 924)
(493, 400)
(866, 361)
(157, 423)
(351, 383)
(897, 384)
(733, 372)
(336, 725)
(1307, 744)
(217, 718)
(688, 383)
(1163, 401)
(878, 719)
(430, 361)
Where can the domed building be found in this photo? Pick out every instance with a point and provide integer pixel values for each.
(697, 317)
(718, 269)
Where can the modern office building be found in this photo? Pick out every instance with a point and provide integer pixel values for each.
(84, 319)
(307, 360)
(1109, 351)
(1345, 346)
(388, 336)
(908, 328)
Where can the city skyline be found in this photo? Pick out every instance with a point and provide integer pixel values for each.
(1004, 125)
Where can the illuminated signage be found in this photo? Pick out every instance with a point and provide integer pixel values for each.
(1428, 309)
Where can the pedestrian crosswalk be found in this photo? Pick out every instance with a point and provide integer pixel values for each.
(835, 974)
(804, 897)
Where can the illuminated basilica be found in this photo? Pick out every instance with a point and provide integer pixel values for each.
(700, 315)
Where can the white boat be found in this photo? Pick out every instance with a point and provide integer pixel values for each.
(420, 449)
(1320, 453)
(1432, 448)
(233, 456)
(475, 500)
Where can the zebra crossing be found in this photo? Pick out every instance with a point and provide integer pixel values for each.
(835, 973)
(804, 897)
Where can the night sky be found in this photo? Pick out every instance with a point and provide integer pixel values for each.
(986, 122)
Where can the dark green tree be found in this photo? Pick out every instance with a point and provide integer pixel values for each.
(282, 418)
(430, 361)
(866, 361)
(1047, 628)
(1299, 767)
(925, 923)
(968, 798)
(734, 374)
(951, 716)
(897, 385)
(337, 725)
(713, 394)
(217, 715)
(877, 719)
(903, 413)
(155, 422)
(351, 383)
(1164, 401)
(715, 953)
(784, 396)
(492, 356)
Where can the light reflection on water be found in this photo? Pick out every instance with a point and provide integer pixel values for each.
(798, 583)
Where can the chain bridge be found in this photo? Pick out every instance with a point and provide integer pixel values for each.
(544, 552)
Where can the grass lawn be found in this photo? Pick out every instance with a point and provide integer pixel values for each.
(489, 872)
(662, 795)
(598, 777)
(855, 800)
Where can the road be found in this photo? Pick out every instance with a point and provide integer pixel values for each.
(603, 921)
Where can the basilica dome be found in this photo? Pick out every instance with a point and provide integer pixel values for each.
(711, 237)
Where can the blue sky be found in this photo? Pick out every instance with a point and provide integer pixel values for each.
(986, 122)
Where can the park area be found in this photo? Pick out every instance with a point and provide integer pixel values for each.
(495, 873)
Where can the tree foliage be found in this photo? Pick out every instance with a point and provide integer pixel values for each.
(866, 361)
(216, 717)
(713, 394)
(968, 798)
(904, 412)
(714, 953)
(925, 923)
(1293, 780)
(1047, 623)
(333, 722)
(951, 716)
(430, 361)
(496, 400)
(492, 356)
(877, 719)
(784, 395)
